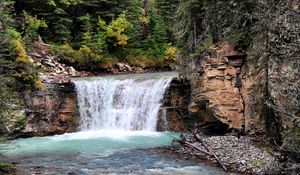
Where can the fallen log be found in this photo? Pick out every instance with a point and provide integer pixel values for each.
(197, 148)
(200, 140)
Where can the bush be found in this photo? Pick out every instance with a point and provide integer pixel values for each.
(171, 54)
(25, 70)
(32, 25)
(65, 53)
(117, 28)
(291, 139)
(7, 168)
(205, 45)
(140, 61)
(38, 84)
(20, 122)
(83, 59)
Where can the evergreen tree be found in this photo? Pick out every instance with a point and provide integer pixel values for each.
(86, 30)
(189, 17)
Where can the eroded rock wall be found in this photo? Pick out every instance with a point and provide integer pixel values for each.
(257, 92)
(51, 110)
(173, 114)
(216, 88)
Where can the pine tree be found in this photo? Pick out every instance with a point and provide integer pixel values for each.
(86, 30)
(189, 17)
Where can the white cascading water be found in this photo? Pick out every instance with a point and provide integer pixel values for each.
(124, 103)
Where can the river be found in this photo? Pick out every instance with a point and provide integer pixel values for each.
(118, 118)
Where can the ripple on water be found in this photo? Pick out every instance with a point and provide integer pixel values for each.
(101, 155)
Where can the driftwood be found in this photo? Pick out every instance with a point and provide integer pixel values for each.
(182, 140)
(199, 139)
(188, 144)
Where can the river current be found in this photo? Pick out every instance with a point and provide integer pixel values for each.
(118, 116)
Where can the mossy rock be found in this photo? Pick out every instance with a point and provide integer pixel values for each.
(7, 169)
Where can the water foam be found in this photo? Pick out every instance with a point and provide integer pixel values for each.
(128, 103)
(105, 133)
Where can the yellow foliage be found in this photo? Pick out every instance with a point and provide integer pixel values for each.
(101, 24)
(141, 61)
(25, 70)
(38, 84)
(116, 28)
(33, 22)
(144, 19)
(21, 74)
(22, 55)
(66, 46)
(122, 40)
(87, 55)
(171, 53)
(19, 49)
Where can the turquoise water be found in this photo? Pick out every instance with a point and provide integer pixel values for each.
(100, 152)
(107, 104)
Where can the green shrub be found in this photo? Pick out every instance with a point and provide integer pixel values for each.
(32, 25)
(7, 168)
(20, 122)
(25, 71)
(205, 45)
(117, 28)
(291, 139)
(83, 59)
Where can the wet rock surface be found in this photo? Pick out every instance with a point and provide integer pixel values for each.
(174, 115)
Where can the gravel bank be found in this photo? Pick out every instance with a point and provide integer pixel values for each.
(240, 155)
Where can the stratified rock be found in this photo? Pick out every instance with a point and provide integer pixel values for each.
(216, 93)
(175, 107)
(52, 110)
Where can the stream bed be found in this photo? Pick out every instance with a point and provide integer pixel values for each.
(100, 152)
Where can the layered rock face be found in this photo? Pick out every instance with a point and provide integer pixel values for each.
(52, 110)
(257, 91)
(216, 88)
(173, 114)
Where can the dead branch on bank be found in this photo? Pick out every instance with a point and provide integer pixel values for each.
(183, 141)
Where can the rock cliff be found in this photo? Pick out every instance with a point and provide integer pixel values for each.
(173, 114)
(255, 90)
(218, 87)
(52, 110)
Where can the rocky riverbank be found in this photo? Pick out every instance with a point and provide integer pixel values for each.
(244, 155)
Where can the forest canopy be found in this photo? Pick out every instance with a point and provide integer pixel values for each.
(83, 33)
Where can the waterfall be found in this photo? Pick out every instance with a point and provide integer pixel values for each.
(128, 102)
